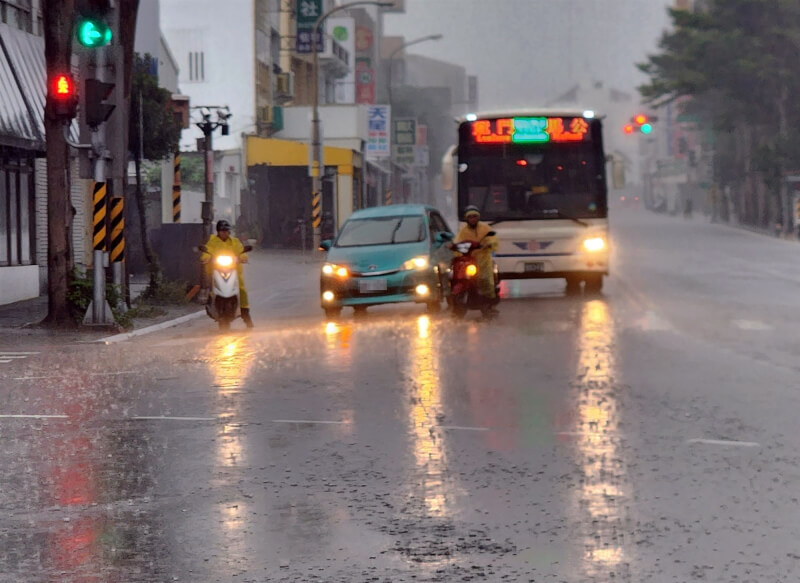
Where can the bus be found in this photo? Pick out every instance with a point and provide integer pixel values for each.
(539, 178)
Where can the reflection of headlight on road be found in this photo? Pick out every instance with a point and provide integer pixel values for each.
(416, 263)
(594, 244)
(331, 269)
(472, 270)
(224, 260)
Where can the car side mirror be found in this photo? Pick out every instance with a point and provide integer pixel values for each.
(326, 245)
(443, 237)
(248, 248)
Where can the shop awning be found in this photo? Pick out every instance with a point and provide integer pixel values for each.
(23, 85)
(273, 152)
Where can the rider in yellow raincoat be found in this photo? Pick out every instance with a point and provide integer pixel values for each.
(476, 231)
(221, 243)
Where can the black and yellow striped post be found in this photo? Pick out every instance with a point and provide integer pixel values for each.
(176, 189)
(316, 211)
(100, 200)
(117, 229)
(388, 198)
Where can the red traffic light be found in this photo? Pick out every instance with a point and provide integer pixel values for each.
(62, 98)
(640, 119)
(628, 129)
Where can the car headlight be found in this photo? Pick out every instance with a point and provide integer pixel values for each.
(416, 263)
(224, 260)
(337, 270)
(594, 244)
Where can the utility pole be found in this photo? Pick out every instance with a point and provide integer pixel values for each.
(207, 126)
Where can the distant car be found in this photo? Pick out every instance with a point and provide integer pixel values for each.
(384, 255)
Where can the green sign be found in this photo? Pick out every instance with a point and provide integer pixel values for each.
(308, 12)
(404, 141)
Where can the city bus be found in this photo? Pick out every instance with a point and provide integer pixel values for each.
(539, 178)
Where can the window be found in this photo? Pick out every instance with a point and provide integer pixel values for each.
(197, 66)
(16, 212)
(17, 13)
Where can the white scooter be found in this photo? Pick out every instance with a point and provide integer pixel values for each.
(223, 305)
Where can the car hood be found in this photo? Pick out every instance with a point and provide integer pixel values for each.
(376, 257)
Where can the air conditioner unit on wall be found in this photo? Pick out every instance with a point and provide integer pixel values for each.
(266, 114)
(284, 85)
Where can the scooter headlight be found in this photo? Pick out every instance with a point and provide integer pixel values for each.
(472, 270)
(224, 261)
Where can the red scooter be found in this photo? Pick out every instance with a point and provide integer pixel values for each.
(464, 294)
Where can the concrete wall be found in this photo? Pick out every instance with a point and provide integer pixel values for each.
(338, 122)
(225, 34)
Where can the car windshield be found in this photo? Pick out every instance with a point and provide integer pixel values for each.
(382, 231)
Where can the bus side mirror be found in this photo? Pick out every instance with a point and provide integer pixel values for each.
(449, 169)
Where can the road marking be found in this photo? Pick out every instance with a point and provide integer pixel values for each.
(93, 374)
(6, 357)
(154, 328)
(753, 325)
(162, 418)
(33, 417)
(308, 421)
(723, 442)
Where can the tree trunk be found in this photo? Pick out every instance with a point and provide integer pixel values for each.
(152, 261)
(58, 16)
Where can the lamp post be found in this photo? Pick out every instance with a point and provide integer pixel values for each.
(316, 139)
(389, 80)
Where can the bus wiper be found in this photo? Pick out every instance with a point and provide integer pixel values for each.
(568, 217)
(496, 220)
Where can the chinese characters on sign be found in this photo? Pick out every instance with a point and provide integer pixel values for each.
(308, 11)
(405, 140)
(378, 146)
(365, 81)
(522, 130)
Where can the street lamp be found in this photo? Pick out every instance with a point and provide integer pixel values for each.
(389, 80)
(316, 142)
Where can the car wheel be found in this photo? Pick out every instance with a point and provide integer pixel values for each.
(360, 311)
(573, 286)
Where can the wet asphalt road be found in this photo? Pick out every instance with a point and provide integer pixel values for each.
(646, 434)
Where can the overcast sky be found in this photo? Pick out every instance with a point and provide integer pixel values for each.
(529, 51)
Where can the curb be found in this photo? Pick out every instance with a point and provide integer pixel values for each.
(154, 328)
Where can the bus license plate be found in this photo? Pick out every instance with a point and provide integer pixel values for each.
(371, 286)
(535, 267)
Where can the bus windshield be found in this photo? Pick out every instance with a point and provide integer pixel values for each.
(532, 182)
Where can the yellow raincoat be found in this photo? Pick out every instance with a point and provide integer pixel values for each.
(483, 257)
(232, 246)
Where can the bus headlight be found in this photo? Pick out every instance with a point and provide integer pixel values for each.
(594, 245)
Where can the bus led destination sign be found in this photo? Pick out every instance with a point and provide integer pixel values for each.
(530, 130)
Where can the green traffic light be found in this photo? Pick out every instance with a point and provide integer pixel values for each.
(93, 33)
(646, 128)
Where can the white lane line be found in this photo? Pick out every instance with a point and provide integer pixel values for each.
(461, 428)
(5, 361)
(93, 374)
(723, 442)
(154, 328)
(17, 354)
(308, 421)
(33, 417)
(162, 418)
(751, 325)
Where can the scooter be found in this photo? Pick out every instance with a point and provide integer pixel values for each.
(464, 294)
(223, 305)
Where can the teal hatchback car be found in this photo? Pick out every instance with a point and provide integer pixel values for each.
(384, 255)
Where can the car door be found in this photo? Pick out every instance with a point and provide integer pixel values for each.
(440, 253)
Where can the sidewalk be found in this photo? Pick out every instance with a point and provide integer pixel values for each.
(21, 318)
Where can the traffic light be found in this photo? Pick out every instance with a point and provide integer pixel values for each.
(62, 99)
(93, 32)
(628, 129)
(640, 123)
(640, 119)
(95, 93)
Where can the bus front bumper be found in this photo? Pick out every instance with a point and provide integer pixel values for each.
(552, 266)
